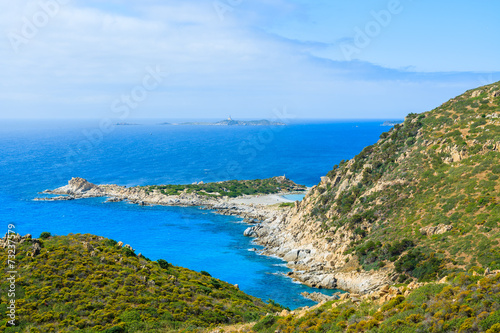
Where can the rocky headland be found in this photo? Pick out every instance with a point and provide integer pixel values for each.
(277, 227)
(315, 260)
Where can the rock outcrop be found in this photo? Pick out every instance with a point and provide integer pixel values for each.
(79, 187)
(13, 239)
(435, 230)
(319, 297)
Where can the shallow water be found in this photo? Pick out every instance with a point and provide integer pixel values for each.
(294, 197)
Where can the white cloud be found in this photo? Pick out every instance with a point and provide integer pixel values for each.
(87, 55)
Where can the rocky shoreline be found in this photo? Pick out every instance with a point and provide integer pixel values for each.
(278, 229)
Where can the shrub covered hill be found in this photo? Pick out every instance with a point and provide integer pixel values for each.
(422, 206)
(87, 283)
(423, 201)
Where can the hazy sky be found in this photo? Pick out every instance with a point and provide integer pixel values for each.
(210, 59)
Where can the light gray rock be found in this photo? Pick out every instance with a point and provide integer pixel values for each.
(329, 281)
(319, 297)
(291, 256)
(249, 232)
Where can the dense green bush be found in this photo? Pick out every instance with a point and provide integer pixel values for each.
(45, 235)
(163, 263)
(422, 266)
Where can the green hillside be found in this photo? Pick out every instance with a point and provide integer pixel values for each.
(86, 283)
(467, 303)
(424, 202)
(425, 198)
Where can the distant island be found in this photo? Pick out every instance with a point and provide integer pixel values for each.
(391, 123)
(231, 122)
(125, 124)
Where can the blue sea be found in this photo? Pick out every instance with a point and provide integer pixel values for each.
(39, 155)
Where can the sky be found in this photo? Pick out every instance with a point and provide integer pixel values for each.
(199, 59)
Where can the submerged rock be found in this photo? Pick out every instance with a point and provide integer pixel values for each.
(59, 198)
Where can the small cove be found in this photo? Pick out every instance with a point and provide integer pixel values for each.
(42, 156)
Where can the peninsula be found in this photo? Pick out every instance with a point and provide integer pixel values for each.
(254, 200)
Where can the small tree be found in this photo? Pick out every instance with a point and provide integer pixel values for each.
(163, 263)
(45, 235)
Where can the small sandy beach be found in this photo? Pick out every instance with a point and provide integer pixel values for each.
(264, 200)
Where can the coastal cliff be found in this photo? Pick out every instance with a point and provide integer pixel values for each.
(418, 205)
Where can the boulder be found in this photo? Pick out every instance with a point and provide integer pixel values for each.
(249, 232)
(476, 93)
(36, 248)
(344, 296)
(293, 255)
(284, 313)
(87, 246)
(329, 281)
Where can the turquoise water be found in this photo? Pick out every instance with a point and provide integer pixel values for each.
(294, 197)
(44, 155)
